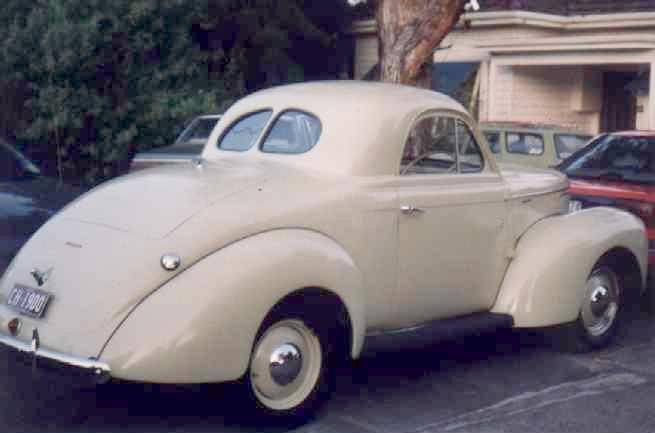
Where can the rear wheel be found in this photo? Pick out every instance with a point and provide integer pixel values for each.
(599, 313)
(288, 368)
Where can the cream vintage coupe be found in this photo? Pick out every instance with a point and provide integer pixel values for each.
(319, 214)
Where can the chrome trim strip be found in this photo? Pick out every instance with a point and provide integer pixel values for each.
(32, 348)
(537, 194)
(398, 330)
(163, 158)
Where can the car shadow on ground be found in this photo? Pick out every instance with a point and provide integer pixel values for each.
(49, 405)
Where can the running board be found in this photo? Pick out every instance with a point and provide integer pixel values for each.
(439, 331)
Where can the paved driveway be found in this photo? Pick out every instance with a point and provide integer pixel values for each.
(509, 382)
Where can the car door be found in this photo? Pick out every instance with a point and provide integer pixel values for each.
(451, 228)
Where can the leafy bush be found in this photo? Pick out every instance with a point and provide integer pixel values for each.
(86, 83)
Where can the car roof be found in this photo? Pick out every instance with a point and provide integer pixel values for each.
(528, 126)
(359, 119)
(636, 133)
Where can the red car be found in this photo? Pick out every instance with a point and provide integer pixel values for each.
(616, 169)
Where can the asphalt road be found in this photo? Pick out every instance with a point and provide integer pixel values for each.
(506, 382)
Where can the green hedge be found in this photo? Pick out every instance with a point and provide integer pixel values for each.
(86, 83)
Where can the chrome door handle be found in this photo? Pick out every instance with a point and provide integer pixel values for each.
(410, 210)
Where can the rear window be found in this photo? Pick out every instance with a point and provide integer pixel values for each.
(525, 143)
(293, 132)
(243, 134)
(567, 144)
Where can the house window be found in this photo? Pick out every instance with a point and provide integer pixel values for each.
(456, 80)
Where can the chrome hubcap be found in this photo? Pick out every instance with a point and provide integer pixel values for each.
(286, 365)
(601, 303)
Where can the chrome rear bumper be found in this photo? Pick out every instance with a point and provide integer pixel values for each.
(99, 371)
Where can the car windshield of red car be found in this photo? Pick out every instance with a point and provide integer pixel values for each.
(615, 157)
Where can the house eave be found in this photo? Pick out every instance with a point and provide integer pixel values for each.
(629, 20)
(575, 43)
(525, 19)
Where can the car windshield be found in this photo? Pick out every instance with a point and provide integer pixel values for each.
(13, 165)
(615, 157)
(567, 144)
(198, 131)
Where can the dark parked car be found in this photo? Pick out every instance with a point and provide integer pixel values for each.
(27, 200)
(187, 146)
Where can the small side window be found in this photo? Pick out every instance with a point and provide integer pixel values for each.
(493, 138)
(243, 134)
(293, 132)
(525, 143)
(430, 147)
(470, 157)
(567, 144)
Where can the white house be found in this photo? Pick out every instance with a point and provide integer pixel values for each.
(591, 72)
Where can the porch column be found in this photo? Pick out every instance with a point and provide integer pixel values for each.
(492, 72)
(484, 98)
(651, 97)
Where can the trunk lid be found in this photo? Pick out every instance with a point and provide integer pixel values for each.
(96, 274)
(153, 203)
(102, 252)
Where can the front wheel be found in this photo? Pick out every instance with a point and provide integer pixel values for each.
(287, 368)
(599, 313)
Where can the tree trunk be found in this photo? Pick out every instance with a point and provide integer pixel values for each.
(409, 31)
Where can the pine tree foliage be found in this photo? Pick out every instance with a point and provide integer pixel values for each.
(85, 83)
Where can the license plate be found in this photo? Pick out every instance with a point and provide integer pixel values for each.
(29, 301)
(575, 206)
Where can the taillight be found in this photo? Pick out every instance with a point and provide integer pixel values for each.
(644, 210)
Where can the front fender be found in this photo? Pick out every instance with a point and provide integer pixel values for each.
(544, 284)
(200, 326)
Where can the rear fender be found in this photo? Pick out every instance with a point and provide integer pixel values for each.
(545, 282)
(201, 326)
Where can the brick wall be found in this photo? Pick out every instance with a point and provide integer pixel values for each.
(540, 94)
